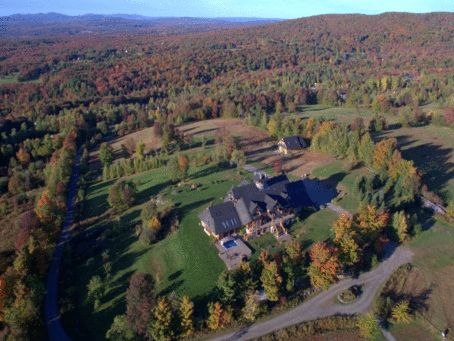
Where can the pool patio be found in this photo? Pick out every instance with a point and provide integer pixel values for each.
(233, 256)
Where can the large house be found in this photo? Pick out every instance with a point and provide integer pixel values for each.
(260, 207)
(291, 143)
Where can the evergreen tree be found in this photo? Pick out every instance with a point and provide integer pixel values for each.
(160, 326)
(293, 262)
(186, 312)
(271, 280)
(366, 150)
(106, 154)
(218, 317)
(400, 225)
(119, 330)
(227, 287)
(401, 312)
(368, 326)
(140, 150)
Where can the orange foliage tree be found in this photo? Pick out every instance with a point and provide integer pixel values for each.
(183, 166)
(346, 237)
(23, 156)
(324, 265)
(383, 153)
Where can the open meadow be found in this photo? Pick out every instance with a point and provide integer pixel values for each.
(432, 150)
(185, 262)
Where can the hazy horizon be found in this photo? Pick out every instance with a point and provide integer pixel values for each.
(290, 9)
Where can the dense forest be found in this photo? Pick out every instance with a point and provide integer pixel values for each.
(57, 93)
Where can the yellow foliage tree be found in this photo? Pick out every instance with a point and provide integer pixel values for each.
(401, 312)
(154, 224)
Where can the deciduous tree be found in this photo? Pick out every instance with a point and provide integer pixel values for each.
(183, 164)
(140, 301)
(346, 239)
(122, 195)
(324, 265)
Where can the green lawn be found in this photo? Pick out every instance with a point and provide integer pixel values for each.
(13, 79)
(336, 175)
(432, 150)
(411, 332)
(185, 262)
(314, 227)
(332, 113)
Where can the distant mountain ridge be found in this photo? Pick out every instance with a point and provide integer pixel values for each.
(54, 17)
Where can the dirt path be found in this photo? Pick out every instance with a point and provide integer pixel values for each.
(323, 304)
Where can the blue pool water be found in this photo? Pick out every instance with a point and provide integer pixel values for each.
(229, 244)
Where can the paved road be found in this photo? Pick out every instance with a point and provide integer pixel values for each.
(322, 305)
(56, 332)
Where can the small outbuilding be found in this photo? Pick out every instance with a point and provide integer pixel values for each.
(290, 144)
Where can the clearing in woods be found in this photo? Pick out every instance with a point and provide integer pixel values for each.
(432, 150)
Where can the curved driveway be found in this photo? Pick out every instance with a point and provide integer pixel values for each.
(56, 332)
(323, 304)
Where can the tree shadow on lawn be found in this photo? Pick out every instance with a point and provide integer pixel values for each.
(432, 159)
(94, 188)
(208, 171)
(145, 195)
(183, 210)
(172, 287)
(175, 275)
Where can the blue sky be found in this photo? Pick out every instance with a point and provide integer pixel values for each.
(286, 9)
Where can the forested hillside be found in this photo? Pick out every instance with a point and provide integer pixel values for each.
(60, 93)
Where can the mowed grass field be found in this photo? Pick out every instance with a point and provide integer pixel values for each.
(185, 262)
(432, 150)
(341, 114)
(434, 257)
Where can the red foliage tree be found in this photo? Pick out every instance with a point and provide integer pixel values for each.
(140, 300)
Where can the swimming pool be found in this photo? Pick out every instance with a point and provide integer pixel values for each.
(229, 244)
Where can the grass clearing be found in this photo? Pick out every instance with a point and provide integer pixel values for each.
(411, 332)
(432, 150)
(433, 278)
(341, 114)
(13, 79)
(185, 262)
(314, 227)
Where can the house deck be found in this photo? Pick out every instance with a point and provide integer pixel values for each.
(233, 256)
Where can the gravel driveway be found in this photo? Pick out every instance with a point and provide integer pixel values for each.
(322, 305)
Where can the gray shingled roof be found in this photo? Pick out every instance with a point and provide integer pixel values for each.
(221, 218)
(294, 142)
(228, 216)
(243, 212)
